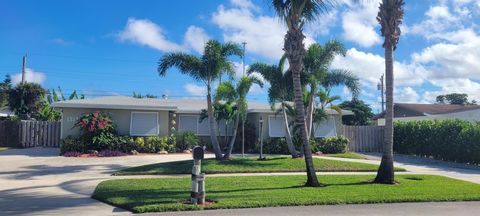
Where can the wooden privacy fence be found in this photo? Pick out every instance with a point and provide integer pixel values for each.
(364, 138)
(27, 134)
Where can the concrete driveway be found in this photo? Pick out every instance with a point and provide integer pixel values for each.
(37, 181)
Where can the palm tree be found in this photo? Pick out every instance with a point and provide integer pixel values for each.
(390, 17)
(279, 92)
(295, 13)
(226, 91)
(207, 69)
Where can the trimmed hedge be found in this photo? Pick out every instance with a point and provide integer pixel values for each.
(448, 140)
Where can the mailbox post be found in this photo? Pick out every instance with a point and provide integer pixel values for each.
(197, 195)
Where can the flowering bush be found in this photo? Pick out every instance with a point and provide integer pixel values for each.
(95, 122)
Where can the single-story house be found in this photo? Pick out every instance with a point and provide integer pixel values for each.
(6, 112)
(410, 112)
(150, 117)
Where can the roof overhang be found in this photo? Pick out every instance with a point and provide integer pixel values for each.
(114, 106)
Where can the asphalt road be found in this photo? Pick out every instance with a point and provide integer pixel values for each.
(395, 209)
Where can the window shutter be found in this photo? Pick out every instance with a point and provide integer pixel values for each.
(276, 126)
(188, 123)
(144, 124)
(326, 128)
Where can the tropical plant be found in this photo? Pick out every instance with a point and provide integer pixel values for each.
(455, 98)
(25, 99)
(227, 91)
(320, 79)
(295, 14)
(139, 95)
(390, 17)
(206, 69)
(280, 92)
(48, 112)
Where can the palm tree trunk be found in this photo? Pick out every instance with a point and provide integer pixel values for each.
(288, 135)
(234, 137)
(385, 174)
(211, 121)
(295, 50)
(311, 108)
(243, 137)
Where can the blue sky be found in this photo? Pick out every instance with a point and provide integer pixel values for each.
(112, 47)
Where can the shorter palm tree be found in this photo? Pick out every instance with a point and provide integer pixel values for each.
(227, 91)
(206, 69)
(280, 92)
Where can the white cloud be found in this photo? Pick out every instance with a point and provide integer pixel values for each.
(264, 34)
(195, 90)
(147, 33)
(61, 41)
(406, 95)
(359, 23)
(30, 76)
(448, 86)
(195, 38)
(369, 67)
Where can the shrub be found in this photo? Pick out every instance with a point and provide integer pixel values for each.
(250, 138)
(331, 145)
(185, 140)
(70, 144)
(449, 140)
(274, 146)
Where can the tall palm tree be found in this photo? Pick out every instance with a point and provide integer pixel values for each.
(279, 92)
(390, 17)
(207, 69)
(238, 94)
(295, 13)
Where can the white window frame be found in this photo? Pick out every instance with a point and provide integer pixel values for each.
(131, 122)
(197, 121)
(270, 126)
(334, 127)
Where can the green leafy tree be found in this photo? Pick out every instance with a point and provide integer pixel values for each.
(5, 86)
(390, 17)
(139, 95)
(280, 92)
(362, 112)
(238, 94)
(206, 69)
(455, 98)
(25, 99)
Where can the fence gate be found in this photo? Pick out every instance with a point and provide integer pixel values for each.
(364, 138)
(27, 134)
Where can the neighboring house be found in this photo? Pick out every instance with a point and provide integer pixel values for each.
(410, 112)
(5, 112)
(149, 117)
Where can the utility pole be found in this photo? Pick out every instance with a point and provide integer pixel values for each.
(243, 58)
(24, 66)
(381, 88)
(243, 121)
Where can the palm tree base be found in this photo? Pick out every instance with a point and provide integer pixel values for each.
(314, 184)
(385, 173)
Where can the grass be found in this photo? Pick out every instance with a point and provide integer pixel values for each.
(4, 148)
(170, 194)
(346, 155)
(249, 165)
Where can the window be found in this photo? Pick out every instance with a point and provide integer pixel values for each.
(144, 124)
(276, 126)
(187, 123)
(326, 128)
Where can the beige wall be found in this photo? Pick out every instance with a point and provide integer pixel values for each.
(121, 119)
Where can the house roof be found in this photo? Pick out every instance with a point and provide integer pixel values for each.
(178, 105)
(413, 110)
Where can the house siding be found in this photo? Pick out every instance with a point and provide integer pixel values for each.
(121, 119)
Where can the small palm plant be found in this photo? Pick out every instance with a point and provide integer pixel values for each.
(206, 69)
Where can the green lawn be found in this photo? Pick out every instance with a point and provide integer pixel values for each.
(346, 155)
(4, 148)
(170, 194)
(249, 165)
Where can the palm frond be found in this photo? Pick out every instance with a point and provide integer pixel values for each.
(186, 63)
